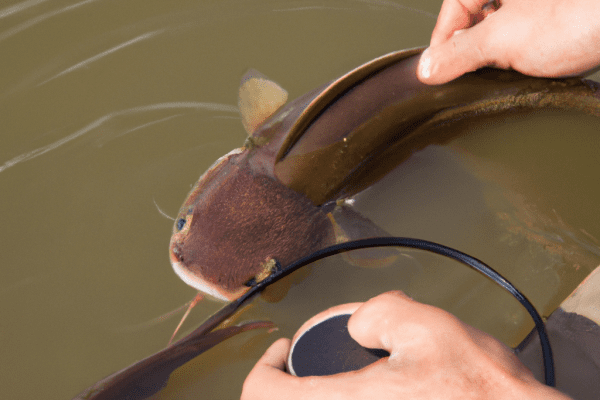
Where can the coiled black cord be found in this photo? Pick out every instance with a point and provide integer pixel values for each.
(472, 262)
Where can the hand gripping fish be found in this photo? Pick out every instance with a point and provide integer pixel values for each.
(280, 195)
(274, 198)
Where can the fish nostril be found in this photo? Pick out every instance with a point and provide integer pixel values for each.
(177, 253)
(180, 223)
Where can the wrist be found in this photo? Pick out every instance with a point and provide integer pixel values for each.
(519, 383)
(534, 390)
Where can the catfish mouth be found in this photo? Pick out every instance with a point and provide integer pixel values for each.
(197, 281)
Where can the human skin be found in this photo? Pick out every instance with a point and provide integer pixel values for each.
(433, 355)
(544, 38)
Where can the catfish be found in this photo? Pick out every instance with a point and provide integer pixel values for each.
(288, 190)
(276, 197)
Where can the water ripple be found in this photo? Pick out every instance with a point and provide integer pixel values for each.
(34, 21)
(102, 120)
(103, 54)
(19, 7)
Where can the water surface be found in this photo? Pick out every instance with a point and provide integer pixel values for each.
(111, 110)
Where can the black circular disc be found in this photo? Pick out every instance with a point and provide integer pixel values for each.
(327, 349)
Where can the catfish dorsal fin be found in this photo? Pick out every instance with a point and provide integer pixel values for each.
(258, 99)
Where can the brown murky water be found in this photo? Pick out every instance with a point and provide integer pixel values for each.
(111, 109)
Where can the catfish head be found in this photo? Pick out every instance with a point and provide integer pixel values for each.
(238, 217)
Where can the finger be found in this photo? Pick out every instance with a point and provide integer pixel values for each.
(275, 355)
(268, 374)
(465, 51)
(455, 15)
(404, 327)
(376, 323)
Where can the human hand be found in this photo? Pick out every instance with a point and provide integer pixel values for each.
(433, 355)
(546, 38)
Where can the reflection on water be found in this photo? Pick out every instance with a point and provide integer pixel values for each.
(111, 108)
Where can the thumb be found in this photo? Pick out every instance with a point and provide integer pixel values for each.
(268, 379)
(390, 321)
(465, 51)
(275, 355)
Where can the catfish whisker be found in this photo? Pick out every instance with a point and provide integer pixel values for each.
(191, 304)
(164, 214)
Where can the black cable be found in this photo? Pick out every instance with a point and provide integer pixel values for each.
(472, 262)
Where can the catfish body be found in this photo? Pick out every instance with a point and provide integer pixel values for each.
(270, 199)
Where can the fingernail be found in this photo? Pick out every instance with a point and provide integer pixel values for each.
(425, 64)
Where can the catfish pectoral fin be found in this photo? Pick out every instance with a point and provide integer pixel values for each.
(349, 224)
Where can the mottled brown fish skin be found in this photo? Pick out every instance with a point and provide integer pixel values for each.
(250, 218)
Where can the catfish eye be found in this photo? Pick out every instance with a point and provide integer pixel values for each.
(180, 223)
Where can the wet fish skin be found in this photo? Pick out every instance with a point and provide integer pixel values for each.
(260, 201)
